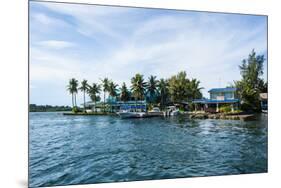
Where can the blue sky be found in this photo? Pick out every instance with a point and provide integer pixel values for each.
(92, 42)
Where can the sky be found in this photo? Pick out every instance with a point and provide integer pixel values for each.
(93, 42)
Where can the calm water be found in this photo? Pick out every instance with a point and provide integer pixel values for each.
(93, 149)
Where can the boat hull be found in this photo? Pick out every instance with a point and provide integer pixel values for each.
(131, 114)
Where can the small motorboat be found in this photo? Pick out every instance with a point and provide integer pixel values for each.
(155, 109)
(129, 114)
(175, 112)
(172, 111)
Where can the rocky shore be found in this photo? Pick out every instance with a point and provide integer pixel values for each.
(227, 116)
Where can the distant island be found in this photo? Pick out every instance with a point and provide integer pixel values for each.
(48, 108)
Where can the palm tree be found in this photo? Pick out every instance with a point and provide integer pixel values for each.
(138, 87)
(163, 90)
(93, 91)
(194, 89)
(84, 89)
(124, 95)
(72, 88)
(105, 86)
(152, 88)
(112, 90)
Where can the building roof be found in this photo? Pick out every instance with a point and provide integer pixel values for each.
(227, 89)
(139, 102)
(199, 101)
(209, 101)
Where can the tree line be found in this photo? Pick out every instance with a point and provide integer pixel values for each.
(48, 108)
(177, 88)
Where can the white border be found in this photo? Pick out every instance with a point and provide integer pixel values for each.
(13, 95)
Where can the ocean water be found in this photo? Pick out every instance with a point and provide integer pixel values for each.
(66, 150)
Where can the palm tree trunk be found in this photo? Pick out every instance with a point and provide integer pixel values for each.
(72, 100)
(75, 100)
(95, 106)
(136, 99)
(161, 102)
(104, 101)
(84, 103)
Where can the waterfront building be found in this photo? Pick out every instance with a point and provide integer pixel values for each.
(218, 97)
(115, 106)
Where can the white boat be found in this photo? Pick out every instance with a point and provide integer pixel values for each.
(175, 112)
(89, 111)
(264, 111)
(128, 114)
(155, 109)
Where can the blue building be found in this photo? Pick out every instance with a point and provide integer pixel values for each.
(115, 106)
(218, 97)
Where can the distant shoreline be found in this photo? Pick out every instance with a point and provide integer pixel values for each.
(48, 108)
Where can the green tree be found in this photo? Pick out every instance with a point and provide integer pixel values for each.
(178, 87)
(194, 89)
(105, 86)
(84, 89)
(124, 94)
(251, 84)
(113, 91)
(72, 88)
(138, 87)
(163, 90)
(152, 89)
(93, 92)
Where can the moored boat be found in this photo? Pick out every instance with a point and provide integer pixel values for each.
(172, 111)
(128, 114)
(175, 112)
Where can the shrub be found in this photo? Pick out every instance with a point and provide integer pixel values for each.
(150, 106)
(225, 109)
(76, 109)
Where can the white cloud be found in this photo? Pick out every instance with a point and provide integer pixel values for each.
(47, 21)
(91, 20)
(55, 44)
(208, 48)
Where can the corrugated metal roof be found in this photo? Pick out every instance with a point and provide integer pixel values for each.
(222, 101)
(227, 89)
(199, 101)
(209, 101)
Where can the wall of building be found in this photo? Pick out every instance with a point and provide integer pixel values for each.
(222, 95)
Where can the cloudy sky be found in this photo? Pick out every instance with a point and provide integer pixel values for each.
(92, 42)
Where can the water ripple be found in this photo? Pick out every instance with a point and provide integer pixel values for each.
(93, 149)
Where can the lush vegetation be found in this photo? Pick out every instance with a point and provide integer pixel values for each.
(48, 108)
(176, 89)
(225, 108)
(252, 83)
